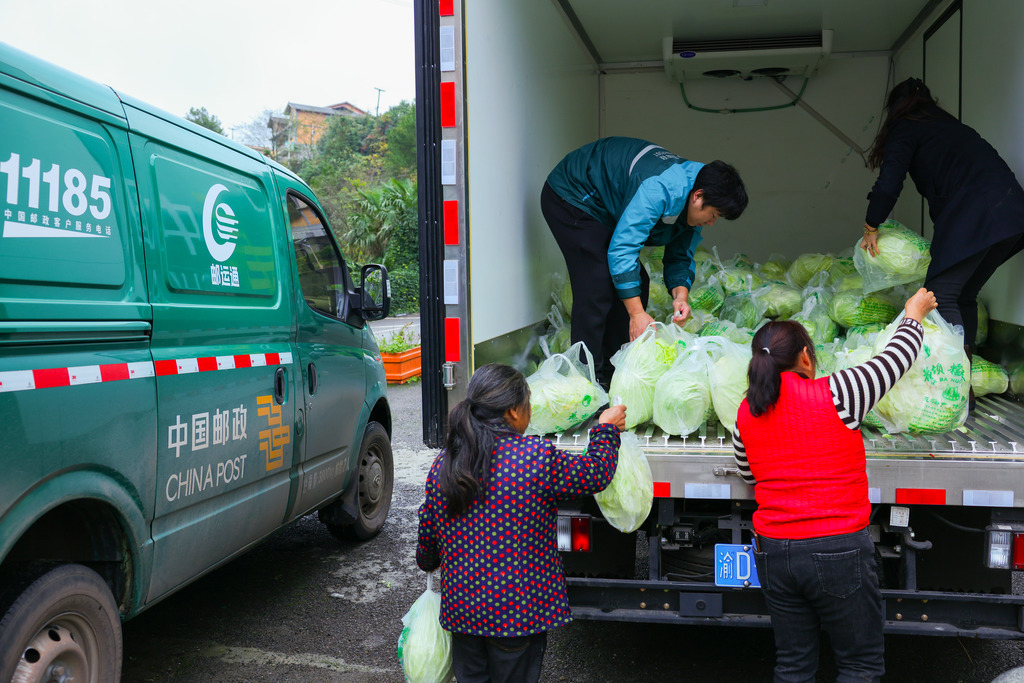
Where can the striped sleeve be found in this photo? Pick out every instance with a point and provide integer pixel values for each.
(856, 390)
(740, 453)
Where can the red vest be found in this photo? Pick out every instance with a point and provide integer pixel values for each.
(809, 466)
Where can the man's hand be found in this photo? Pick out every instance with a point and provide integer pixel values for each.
(680, 305)
(638, 322)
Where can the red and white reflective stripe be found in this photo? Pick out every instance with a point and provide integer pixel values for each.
(46, 378)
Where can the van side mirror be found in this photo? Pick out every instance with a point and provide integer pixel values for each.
(375, 292)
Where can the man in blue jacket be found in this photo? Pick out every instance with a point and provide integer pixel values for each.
(605, 201)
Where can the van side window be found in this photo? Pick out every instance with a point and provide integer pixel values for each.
(321, 271)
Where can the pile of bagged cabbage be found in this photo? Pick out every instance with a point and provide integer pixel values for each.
(679, 378)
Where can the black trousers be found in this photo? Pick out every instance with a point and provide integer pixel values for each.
(956, 288)
(478, 659)
(599, 318)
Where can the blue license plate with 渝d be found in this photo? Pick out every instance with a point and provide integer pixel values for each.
(734, 566)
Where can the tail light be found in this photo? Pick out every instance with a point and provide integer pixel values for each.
(574, 533)
(1004, 547)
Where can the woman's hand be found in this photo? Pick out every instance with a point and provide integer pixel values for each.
(680, 305)
(616, 415)
(920, 304)
(870, 242)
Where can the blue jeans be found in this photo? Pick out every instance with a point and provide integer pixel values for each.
(828, 583)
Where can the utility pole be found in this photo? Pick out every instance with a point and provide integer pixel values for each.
(379, 91)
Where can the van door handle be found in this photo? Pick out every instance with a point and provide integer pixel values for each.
(279, 385)
(313, 382)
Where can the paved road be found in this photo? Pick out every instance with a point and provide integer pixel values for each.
(304, 608)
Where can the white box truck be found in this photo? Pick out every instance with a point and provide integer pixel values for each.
(506, 89)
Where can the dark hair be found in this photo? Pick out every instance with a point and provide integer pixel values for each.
(911, 100)
(784, 339)
(472, 426)
(723, 189)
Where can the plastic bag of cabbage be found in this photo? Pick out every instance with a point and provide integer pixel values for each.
(932, 396)
(745, 309)
(707, 296)
(848, 357)
(727, 378)
(850, 308)
(564, 392)
(727, 329)
(561, 292)
(987, 377)
(682, 397)
(783, 300)
(627, 501)
(815, 318)
(903, 256)
(638, 366)
(424, 647)
(807, 266)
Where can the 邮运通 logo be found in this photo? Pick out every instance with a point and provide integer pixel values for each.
(219, 225)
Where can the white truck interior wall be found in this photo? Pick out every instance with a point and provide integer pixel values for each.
(807, 188)
(991, 74)
(534, 97)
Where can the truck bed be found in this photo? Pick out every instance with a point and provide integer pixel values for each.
(982, 463)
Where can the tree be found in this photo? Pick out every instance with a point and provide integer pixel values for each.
(401, 138)
(205, 119)
(256, 131)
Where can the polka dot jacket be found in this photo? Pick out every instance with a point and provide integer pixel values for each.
(501, 574)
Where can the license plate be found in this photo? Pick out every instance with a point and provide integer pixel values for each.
(734, 566)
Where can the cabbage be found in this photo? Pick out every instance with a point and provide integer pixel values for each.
(842, 266)
(563, 392)
(638, 366)
(783, 300)
(775, 268)
(866, 329)
(815, 319)
(627, 501)
(847, 358)
(932, 396)
(903, 256)
(701, 256)
(742, 261)
(682, 397)
(1017, 380)
(853, 282)
(734, 279)
(697, 320)
(728, 379)
(849, 308)
(708, 296)
(660, 301)
(982, 334)
(807, 266)
(727, 329)
(424, 647)
(987, 377)
(745, 309)
(562, 293)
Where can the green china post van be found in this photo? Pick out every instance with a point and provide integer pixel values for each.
(185, 365)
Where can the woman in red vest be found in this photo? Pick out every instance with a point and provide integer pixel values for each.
(798, 438)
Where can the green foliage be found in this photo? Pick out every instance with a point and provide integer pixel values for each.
(399, 341)
(405, 290)
(201, 117)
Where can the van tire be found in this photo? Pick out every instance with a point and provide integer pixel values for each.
(66, 617)
(375, 481)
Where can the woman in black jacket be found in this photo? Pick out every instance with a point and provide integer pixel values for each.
(974, 199)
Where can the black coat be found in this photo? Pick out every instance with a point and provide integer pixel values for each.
(974, 199)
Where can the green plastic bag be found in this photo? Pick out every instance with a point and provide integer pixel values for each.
(727, 329)
(564, 392)
(932, 396)
(627, 501)
(707, 296)
(424, 648)
(638, 366)
(903, 256)
(736, 279)
(988, 377)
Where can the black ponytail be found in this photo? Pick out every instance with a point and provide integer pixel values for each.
(776, 348)
(472, 426)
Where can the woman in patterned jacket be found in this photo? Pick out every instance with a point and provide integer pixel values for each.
(489, 519)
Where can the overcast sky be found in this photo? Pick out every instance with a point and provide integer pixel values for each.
(234, 57)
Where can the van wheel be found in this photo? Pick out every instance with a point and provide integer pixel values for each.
(63, 626)
(376, 482)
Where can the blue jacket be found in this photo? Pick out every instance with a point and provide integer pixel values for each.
(639, 190)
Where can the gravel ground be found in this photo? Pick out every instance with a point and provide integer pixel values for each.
(304, 608)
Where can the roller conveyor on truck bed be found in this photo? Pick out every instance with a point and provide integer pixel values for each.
(982, 463)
